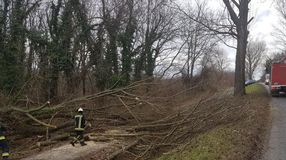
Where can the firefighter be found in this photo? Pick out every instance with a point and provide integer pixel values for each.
(3, 143)
(79, 128)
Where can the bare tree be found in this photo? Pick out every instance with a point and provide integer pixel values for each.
(234, 25)
(238, 11)
(199, 41)
(255, 51)
(65, 42)
(220, 60)
(280, 33)
(157, 28)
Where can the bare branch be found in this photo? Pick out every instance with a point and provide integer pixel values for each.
(231, 11)
(235, 3)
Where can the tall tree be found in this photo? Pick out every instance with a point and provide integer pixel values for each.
(157, 29)
(83, 39)
(255, 51)
(220, 60)
(198, 40)
(112, 16)
(13, 38)
(280, 34)
(238, 11)
(4, 12)
(54, 48)
(126, 39)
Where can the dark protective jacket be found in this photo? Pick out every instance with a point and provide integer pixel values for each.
(79, 122)
(2, 132)
(3, 143)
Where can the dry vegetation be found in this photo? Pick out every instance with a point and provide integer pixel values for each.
(148, 118)
(235, 139)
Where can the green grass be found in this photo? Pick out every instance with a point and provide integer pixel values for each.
(221, 143)
(212, 145)
(255, 88)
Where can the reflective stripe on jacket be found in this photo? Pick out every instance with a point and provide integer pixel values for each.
(79, 122)
(2, 138)
(5, 154)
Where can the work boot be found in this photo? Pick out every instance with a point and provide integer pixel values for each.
(83, 143)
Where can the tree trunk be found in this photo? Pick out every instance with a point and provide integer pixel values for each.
(139, 66)
(239, 87)
(53, 80)
(43, 72)
(70, 82)
(150, 64)
(240, 20)
(30, 60)
(192, 68)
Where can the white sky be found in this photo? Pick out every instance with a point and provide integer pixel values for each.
(265, 18)
(261, 28)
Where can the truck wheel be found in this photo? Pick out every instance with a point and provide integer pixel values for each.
(275, 95)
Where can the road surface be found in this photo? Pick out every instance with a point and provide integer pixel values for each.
(276, 149)
(68, 152)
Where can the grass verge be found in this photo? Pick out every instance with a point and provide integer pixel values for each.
(211, 145)
(255, 88)
(236, 140)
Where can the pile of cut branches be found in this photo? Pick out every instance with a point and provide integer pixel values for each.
(179, 128)
(149, 122)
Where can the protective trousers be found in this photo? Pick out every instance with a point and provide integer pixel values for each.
(79, 138)
(4, 147)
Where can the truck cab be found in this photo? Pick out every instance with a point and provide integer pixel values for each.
(278, 79)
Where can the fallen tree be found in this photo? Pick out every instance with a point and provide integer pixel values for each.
(156, 127)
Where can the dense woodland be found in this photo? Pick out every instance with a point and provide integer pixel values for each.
(73, 46)
(58, 48)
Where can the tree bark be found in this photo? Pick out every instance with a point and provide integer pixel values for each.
(241, 22)
(239, 81)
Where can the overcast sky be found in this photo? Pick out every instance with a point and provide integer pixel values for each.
(265, 18)
(261, 28)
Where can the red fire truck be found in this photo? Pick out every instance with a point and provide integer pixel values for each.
(278, 79)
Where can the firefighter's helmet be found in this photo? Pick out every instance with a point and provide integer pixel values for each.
(80, 110)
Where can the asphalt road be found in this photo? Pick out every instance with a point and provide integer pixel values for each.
(276, 149)
(68, 152)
